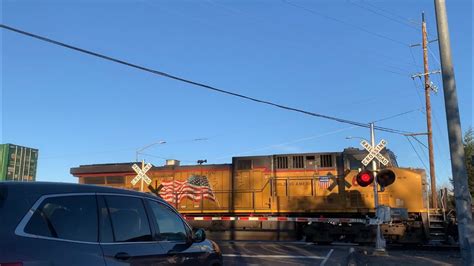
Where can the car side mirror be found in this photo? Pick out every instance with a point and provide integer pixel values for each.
(199, 235)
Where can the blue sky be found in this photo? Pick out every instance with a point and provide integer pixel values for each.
(344, 58)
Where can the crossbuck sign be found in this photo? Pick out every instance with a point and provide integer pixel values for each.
(374, 152)
(141, 173)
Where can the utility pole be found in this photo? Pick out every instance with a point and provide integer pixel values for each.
(426, 74)
(458, 163)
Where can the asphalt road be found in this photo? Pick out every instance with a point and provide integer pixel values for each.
(300, 253)
(282, 253)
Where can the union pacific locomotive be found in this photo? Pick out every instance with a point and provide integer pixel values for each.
(310, 195)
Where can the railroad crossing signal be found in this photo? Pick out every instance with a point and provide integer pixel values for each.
(374, 152)
(365, 178)
(141, 174)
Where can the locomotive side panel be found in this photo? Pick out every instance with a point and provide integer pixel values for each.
(289, 184)
(251, 184)
(408, 191)
(195, 189)
(267, 184)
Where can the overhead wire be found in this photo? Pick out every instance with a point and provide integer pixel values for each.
(397, 115)
(386, 70)
(240, 12)
(423, 151)
(311, 137)
(287, 142)
(438, 127)
(440, 132)
(422, 107)
(198, 84)
(419, 141)
(414, 82)
(417, 154)
(437, 178)
(422, 87)
(393, 14)
(385, 16)
(394, 72)
(344, 22)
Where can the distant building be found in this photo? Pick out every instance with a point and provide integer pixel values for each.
(17, 163)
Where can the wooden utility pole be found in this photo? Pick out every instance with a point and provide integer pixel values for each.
(434, 196)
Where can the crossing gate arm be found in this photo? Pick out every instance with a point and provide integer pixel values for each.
(277, 219)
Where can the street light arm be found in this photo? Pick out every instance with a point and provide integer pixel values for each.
(147, 146)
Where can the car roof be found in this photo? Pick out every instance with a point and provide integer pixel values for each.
(45, 188)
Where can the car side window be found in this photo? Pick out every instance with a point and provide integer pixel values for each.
(65, 217)
(169, 225)
(106, 235)
(129, 219)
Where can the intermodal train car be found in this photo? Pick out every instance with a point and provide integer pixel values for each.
(310, 195)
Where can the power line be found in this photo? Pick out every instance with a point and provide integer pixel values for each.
(393, 14)
(433, 55)
(413, 57)
(286, 143)
(419, 141)
(419, 96)
(423, 150)
(439, 65)
(344, 22)
(371, 52)
(417, 154)
(212, 88)
(397, 115)
(434, 115)
(385, 16)
(394, 72)
(397, 68)
(414, 83)
(424, 153)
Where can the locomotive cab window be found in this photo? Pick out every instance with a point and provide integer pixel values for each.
(326, 160)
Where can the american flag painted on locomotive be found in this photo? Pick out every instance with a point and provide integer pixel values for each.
(195, 188)
(324, 182)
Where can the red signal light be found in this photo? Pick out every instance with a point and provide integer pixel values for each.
(365, 178)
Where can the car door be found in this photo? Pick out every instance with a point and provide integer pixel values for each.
(126, 236)
(59, 230)
(176, 237)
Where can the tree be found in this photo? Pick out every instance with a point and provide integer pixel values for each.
(469, 153)
(468, 143)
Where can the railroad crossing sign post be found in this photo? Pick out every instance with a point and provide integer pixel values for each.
(374, 153)
(141, 174)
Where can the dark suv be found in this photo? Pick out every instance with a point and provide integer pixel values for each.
(71, 224)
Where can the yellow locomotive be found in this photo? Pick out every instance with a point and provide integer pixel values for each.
(311, 195)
